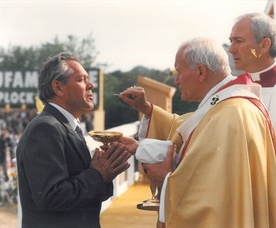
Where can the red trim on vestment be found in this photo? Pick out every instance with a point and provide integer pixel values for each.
(262, 108)
(244, 79)
(185, 146)
(268, 78)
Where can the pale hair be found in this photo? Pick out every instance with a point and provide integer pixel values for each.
(207, 52)
(262, 26)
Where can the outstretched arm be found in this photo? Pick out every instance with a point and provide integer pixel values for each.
(130, 143)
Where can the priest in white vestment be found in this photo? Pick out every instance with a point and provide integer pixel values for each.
(253, 48)
(226, 176)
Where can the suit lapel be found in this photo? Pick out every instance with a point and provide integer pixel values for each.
(81, 148)
(71, 134)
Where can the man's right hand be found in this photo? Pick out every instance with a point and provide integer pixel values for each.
(136, 98)
(112, 162)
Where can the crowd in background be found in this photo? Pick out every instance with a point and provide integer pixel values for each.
(12, 124)
(14, 121)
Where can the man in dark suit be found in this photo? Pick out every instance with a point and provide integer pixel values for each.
(59, 184)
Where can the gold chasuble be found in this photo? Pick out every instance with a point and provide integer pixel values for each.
(227, 177)
(167, 129)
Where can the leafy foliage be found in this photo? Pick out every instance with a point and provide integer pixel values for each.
(17, 58)
(26, 58)
(117, 112)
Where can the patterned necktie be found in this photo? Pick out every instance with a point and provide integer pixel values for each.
(80, 134)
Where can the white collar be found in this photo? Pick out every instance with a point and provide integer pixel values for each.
(226, 80)
(71, 119)
(186, 128)
(256, 76)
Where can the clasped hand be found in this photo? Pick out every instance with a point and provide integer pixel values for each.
(112, 162)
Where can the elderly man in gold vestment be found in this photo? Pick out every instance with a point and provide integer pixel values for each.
(226, 174)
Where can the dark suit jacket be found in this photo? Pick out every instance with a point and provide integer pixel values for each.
(57, 187)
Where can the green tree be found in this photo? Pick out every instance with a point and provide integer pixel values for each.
(117, 112)
(31, 58)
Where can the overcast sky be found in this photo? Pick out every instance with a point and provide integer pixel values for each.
(127, 33)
